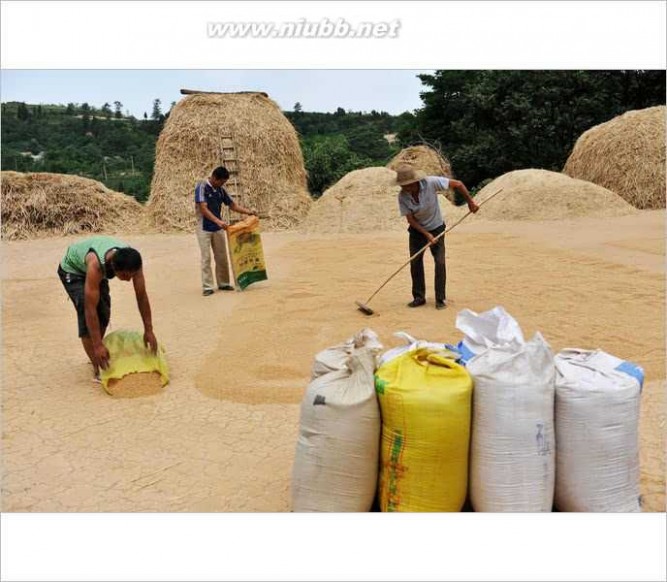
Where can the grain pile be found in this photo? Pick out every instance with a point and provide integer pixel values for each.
(364, 201)
(245, 132)
(625, 155)
(43, 204)
(135, 385)
(543, 195)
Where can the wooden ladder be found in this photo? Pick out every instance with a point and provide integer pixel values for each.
(229, 159)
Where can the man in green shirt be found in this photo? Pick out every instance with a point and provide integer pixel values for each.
(85, 271)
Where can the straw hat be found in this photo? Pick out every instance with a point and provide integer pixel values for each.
(406, 174)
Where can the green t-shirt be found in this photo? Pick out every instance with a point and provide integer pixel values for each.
(74, 260)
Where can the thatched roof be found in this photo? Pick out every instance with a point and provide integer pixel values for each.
(364, 200)
(542, 195)
(42, 204)
(245, 132)
(625, 155)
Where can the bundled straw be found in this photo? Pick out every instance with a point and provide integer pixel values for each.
(42, 204)
(422, 158)
(543, 195)
(428, 160)
(247, 133)
(625, 155)
(364, 200)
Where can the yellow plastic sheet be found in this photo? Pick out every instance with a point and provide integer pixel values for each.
(247, 254)
(425, 399)
(128, 355)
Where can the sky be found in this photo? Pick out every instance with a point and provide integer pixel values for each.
(394, 91)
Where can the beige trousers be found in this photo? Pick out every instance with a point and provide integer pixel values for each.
(218, 242)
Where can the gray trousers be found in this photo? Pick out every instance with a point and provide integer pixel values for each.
(216, 241)
(417, 241)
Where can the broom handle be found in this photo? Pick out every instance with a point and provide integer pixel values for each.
(420, 251)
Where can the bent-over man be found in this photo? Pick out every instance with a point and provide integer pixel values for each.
(85, 271)
(418, 202)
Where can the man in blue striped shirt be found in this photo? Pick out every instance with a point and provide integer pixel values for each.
(209, 198)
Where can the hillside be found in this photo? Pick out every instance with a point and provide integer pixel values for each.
(94, 143)
(119, 150)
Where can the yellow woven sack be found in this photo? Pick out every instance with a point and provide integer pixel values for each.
(128, 355)
(425, 399)
(247, 254)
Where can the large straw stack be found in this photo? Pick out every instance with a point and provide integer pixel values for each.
(422, 158)
(426, 159)
(625, 155)
(364, 201)
(543, 195)
(245, 132)
(42, 204)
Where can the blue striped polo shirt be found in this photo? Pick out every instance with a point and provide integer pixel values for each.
(214, 198)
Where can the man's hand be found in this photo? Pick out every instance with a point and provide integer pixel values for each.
(430, 238)
(150, 341)
(222, 225)
(252, 212)
(101, 355)
(473, 207)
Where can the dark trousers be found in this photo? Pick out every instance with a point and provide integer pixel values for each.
(75, 287)
(417, 241)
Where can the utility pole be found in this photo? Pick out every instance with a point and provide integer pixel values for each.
(104, 168)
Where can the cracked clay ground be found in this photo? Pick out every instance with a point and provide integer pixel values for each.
(221, 435)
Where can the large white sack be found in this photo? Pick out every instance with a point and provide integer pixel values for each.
(482, 330)
(512, 465)
(597, 424)
(337, 452)
(336, 357)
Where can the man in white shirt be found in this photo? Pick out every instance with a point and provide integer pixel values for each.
(418, 202)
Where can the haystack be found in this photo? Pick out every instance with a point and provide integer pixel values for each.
(543, 195)
(364, 201)
(42, 204)
(423, 158)
(248, 134)
(427, 160)
(625, 155)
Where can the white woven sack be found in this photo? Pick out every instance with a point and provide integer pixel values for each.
(597, 424)
(336, 357)
(512, 465)
(337, 452)
(482, 330)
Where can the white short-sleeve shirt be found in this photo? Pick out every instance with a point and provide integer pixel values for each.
(427, 210)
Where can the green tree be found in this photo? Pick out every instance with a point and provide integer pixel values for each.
(106, 110)
(368, 141)
(22, 112)
(492, 122)
(327, 159)
(157, 110)
(118, 108)
(85, 115)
